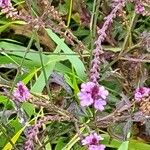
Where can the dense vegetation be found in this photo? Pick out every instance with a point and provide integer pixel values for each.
(75, 74)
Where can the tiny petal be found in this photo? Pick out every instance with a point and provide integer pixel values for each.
(97, 147)
(92, 139)
(86, 100)
(141, 92)
(103, 92)
(86, 87)
(99, 104)
(85, 95)
(5, 3)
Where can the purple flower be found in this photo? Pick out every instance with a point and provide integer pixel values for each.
(91, 93)
(141, 92)
(34, 131)
(97, 147)
(92, 141)
(139, 8)
(5, 3)
(98, 51)
(21, 94)
(99, 105)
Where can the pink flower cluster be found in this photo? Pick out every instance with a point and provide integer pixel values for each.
(139, 8)
(92, 141)
(21, 94)
(91, 93)
(34, 131)
(8, 9)
(5, 3)
(141, 92)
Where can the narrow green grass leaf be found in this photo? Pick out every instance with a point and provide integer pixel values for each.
(14, 49)
(49, 67)
(74, 140)
(8, 146)
(75, 61)
(75, 83)
(29, 64)
(137, 145)
(30, 75)
(48, 146)
(10, 58)
(124, 146)
(7, 24)
(133, 144)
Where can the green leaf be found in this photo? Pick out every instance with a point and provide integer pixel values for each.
(8, 57)
(8, 146)
(75, 84)
(28, 108)
(18, 50)
(6, 102)
(74, 60)
(62, 68)
(124, 146)
(48, 145)
(137, 145)
(29, 64)
(30, 75)
(7, 24)
(74, 140)
(133, 144)
(60, 144)
(49, 67)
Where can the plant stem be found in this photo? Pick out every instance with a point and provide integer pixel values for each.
(96, 17)
(18, 72)
(91, 25)
(70, 12)
(128, 33)
(120, 55)
(42, 64)
(23, 59)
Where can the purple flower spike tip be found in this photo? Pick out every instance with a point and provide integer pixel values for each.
(21, 94)
(141, 92)
(139, 8)
(5, 3)
(97, 147)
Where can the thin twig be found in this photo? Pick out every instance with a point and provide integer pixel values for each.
(42, 64)
(136, 60)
